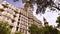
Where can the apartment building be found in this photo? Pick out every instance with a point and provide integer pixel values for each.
(18, 18)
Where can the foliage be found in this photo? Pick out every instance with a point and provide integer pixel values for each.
(42, 5)
(33, 29)
(58, 21)
(50, 30)
(18, 32)
(4, 28)
(59, 32)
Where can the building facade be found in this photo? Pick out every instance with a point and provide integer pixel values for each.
(18, 18)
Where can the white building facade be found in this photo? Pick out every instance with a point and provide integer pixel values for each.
(17, 18)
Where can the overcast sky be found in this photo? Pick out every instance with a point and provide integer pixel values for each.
(50, 17)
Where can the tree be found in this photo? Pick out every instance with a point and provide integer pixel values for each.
(4, 28)
(33, 29)
(40, 31)
(50, 30)
(58, 21)
(17, 32)
(59, 32)
(47, 30)
(42, 5)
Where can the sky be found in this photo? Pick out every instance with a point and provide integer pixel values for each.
(17, 4)
(50, 17)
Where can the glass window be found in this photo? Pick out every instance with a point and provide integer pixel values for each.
(13, 21)
(17, 28)
(11, 27)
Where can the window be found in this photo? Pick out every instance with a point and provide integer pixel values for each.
(28, 23)
(1, 9)
(25, 32)
(19, 15)
(11, 27)
(13, 21)
(5, 6)
(17, 28)
(18, 19)
(15, 11)
(18, 23)
(20, 29)
(14, 16)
